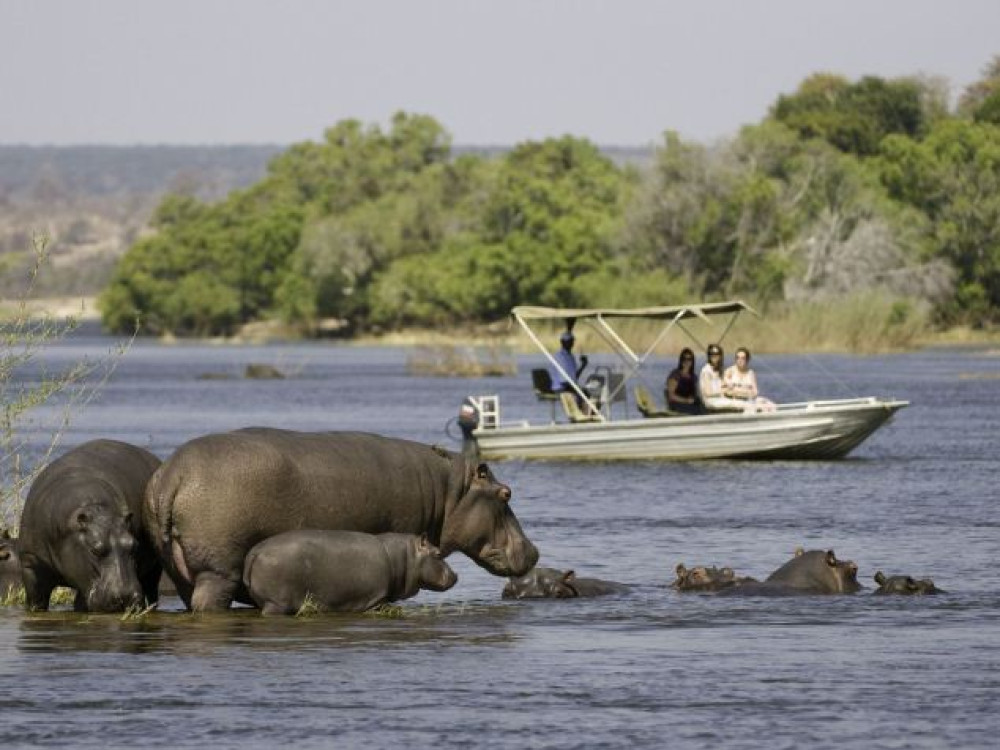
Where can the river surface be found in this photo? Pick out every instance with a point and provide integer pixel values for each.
(651, 669)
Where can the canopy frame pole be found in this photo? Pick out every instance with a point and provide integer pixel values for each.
(569, 378)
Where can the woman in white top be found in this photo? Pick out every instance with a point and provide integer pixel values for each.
(740, 382)
(715, 394)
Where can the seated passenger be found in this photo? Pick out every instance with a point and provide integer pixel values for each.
(681, 390)
(715, 393)
(564, 357)
(740, 381)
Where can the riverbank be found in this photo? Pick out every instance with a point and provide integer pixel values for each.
(870, 326)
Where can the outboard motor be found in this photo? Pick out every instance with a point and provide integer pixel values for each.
(468, 420)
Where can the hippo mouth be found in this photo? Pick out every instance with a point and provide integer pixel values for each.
(513, 560)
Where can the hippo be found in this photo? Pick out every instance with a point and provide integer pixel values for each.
(10, 564)
(221, 494)
(550, 583)
(342, 571)
(81, 527)
(703, 578)
(904, 585)
(812, 572)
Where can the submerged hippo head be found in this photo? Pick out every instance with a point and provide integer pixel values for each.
(433, 573)
(817, 571)
(481, 524)
(98, 558)
(541, 583)
(904, 585)
(703, 578)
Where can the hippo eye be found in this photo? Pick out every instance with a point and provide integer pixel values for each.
(99, 548)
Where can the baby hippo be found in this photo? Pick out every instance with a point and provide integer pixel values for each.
(904, 585)
(550, 583)
(10, 564)
(341, 571)
(703, 578)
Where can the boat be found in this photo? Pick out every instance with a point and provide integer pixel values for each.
(821, 429)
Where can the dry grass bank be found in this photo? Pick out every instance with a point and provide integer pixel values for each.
(864, 324)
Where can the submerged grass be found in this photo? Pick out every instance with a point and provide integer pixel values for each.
(15, 596)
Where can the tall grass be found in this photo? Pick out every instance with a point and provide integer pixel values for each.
(864, 323)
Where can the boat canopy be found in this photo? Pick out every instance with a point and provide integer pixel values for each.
(673, 312)
(598, 318)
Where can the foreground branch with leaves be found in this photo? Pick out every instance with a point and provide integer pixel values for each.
(27, 383)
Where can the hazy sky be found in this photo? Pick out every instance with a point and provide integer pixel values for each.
(491, 72)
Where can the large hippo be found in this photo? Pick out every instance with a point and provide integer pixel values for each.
(812, 572)
(221, 494)
(342, 571)
(904, 585)
(704, 578)
(81, 527)
(10, 564)
(551, 583)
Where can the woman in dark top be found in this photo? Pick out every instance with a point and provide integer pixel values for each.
(682, 386)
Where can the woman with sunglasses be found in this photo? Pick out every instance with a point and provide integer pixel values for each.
(681, 390)
(715, 393)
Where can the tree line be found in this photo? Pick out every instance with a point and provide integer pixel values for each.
(844, 186)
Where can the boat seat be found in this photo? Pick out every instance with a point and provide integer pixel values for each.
(541, 381)
(647, 407)
(573, 410)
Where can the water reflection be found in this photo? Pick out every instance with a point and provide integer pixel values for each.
(182, 633)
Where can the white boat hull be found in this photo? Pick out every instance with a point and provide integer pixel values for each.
(809, 430)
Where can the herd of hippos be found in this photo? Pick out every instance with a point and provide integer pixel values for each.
(274, 519)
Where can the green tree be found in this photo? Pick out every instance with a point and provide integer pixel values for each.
(322, 223)
(769, 216)
(543, 225)
(855, 117)
(953, 176)
(980, 100)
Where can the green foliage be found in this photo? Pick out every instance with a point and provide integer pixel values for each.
(845, 188)
(23, 338)
(854, 117)
(953, 177)
(543, 228)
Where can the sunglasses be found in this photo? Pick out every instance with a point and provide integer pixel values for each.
(714, 352)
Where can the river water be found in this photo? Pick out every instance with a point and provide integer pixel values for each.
(655, 668)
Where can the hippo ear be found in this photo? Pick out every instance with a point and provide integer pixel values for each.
(879, 577)
(568, 576)
(443, 452)
(799, 551)
(728, 572)
(680, 570)
(831, 559)
(423, 543)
